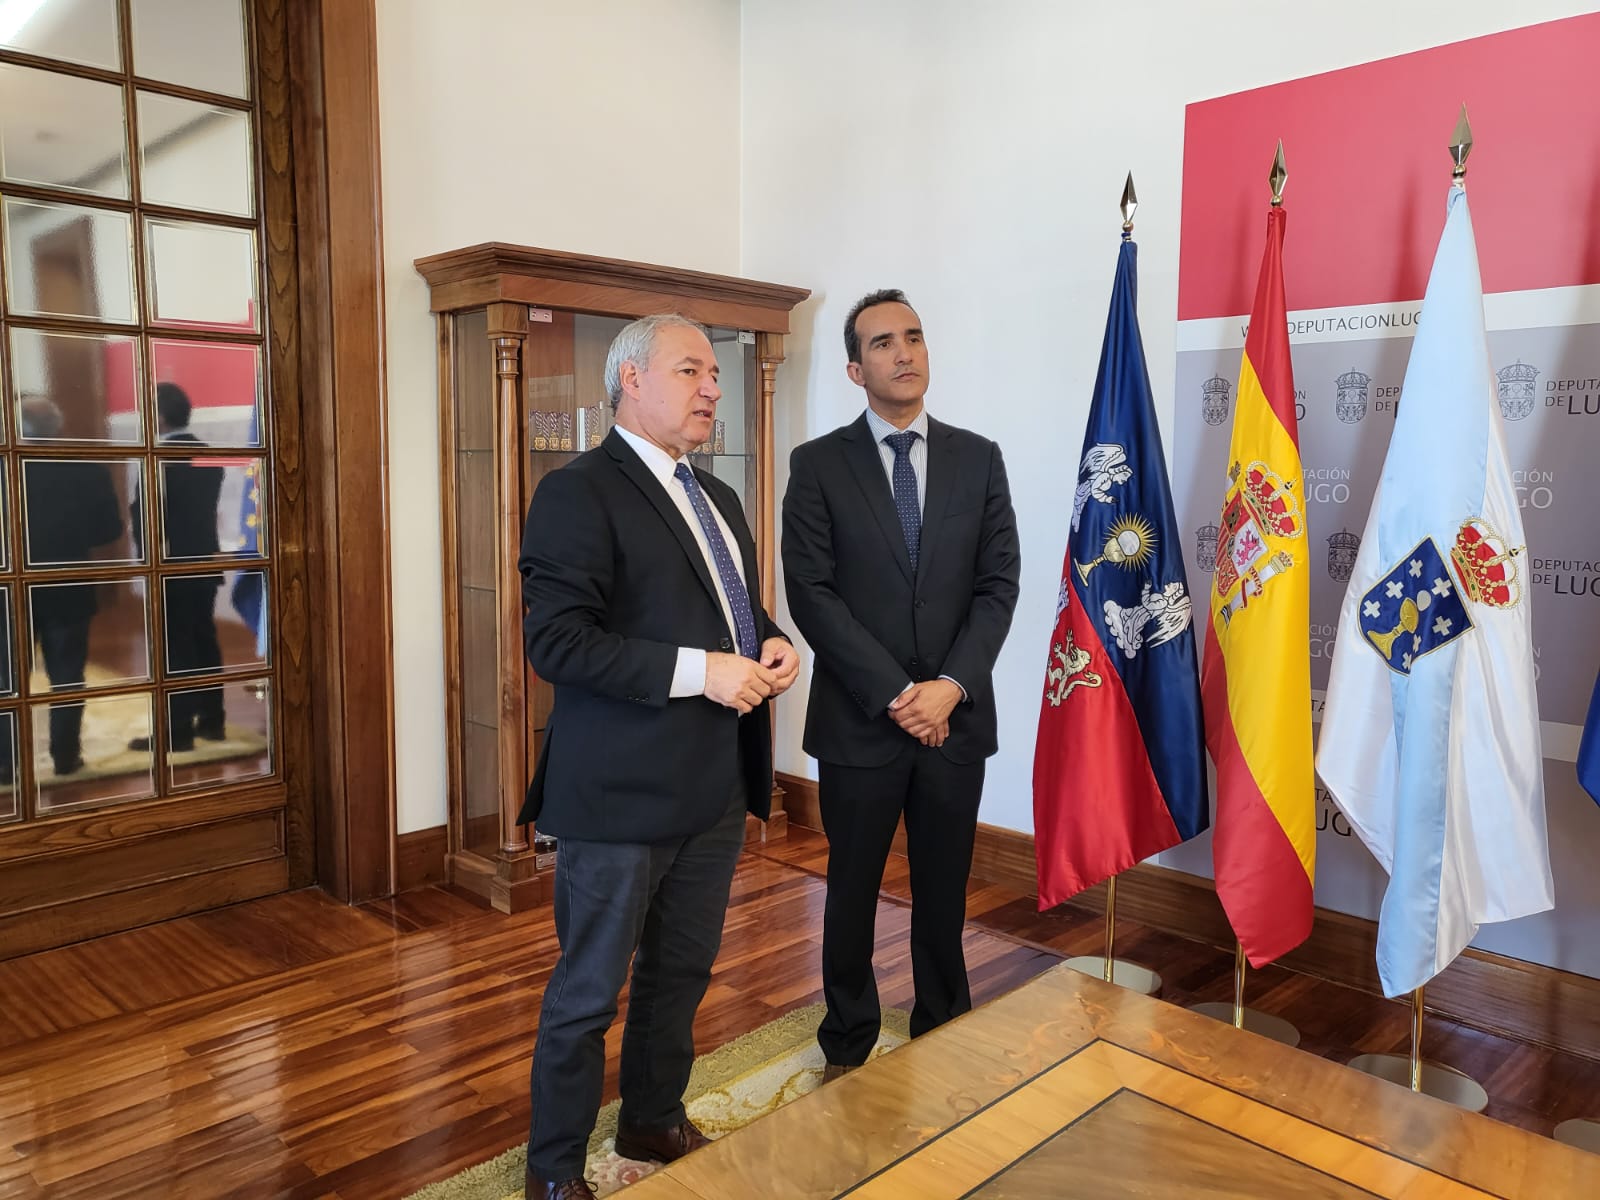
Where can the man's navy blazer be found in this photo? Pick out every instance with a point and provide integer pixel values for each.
(613, 582)
(874, 624)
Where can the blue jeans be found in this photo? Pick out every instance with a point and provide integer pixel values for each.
(662, 905)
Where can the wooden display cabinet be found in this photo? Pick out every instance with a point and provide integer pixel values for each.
(523, 335)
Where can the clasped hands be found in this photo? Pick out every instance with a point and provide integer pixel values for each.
(923, 710)
(741, 683)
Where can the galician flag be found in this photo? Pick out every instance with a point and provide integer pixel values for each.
(1119, 765)
(1256, 673)
(1430, 733)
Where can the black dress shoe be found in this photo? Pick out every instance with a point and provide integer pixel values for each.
(179, 745)
(69, 766)
(536, 1187)
(832, 1071)
(664, 1146)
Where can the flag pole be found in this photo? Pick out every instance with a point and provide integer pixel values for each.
(1433, 1079)
(1111, 929)
(1416, 1040)
(1239, 965)
(1236, 1014)
(1109, 968)
(1426, 1078)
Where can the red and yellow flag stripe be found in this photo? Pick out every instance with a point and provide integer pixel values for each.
(1256, 678)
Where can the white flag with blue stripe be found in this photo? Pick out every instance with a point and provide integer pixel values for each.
(1430, 732)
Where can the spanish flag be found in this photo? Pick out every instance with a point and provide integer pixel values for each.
(1256, 678)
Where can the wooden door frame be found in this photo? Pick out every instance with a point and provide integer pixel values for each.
(343, 832)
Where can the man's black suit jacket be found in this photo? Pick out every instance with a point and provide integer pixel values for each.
(613, 583)
(873, 625)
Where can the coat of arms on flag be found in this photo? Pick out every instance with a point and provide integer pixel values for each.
(1414, 609)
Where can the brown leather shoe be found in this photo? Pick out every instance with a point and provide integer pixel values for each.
(835, 1071)
(664, 1146)
(536, 1187)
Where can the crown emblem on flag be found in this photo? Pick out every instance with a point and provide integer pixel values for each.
(1484, 564)
(1271, 500)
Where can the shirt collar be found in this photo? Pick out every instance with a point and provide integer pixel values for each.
(882, 429)
(656, 460)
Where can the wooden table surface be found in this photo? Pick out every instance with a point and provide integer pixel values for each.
(1069, 1087)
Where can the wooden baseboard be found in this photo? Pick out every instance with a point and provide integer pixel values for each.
(419, 858)
(1526, 1001)
(800, 800)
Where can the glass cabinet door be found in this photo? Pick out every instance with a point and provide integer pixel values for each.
(476, 584)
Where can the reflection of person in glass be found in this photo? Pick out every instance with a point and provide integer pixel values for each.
(189, 496)
(72, 507)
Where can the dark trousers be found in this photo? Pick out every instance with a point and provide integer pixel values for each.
(63, 633)
(860, 809)
(662, 905)
(192, 646)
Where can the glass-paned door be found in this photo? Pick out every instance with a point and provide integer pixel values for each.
(136, 545)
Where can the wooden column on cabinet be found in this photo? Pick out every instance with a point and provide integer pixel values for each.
(769, 356)
(516, 884)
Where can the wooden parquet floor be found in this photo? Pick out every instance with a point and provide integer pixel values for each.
(294, 1047)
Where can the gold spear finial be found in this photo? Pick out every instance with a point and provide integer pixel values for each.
(1130, 205)
(1279, 176)
(1460, 145)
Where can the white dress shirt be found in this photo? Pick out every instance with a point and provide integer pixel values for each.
(919, 467)
(689, 675)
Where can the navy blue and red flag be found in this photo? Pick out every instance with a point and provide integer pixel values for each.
(1119, 765)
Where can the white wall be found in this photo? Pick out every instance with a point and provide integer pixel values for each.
(605, 128)
(974, 155)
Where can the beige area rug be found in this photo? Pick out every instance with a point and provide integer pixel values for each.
(109, 724)
(728, 1088)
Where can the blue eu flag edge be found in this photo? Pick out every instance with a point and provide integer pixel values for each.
(250, 587)
(1589, 748)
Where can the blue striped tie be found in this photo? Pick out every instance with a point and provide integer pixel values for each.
(905, 492)
(744, 621)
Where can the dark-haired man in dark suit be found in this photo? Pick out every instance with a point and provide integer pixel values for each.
(71, 511)
(190, 492)
(640, 587)
(901, 562)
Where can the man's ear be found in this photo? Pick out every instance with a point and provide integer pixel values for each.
(854, 371)
(628, 377)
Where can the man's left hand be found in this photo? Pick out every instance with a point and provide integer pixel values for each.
(783, 660)
(925, 708)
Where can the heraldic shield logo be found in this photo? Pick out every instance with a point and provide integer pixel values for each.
(1414, 609)
(1517, 395)
(1351, 404)
(1342, 550)
(1214, 400)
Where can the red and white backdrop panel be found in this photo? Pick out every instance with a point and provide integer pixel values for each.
(1368, 175)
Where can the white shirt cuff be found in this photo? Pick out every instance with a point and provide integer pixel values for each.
(689, 676)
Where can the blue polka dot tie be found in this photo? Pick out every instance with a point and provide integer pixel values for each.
(905, 492)
(744, 621)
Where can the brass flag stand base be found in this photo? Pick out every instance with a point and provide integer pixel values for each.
(1429, 1079)
(1240, 1017)
(1116, 970)
(1580, 1133)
